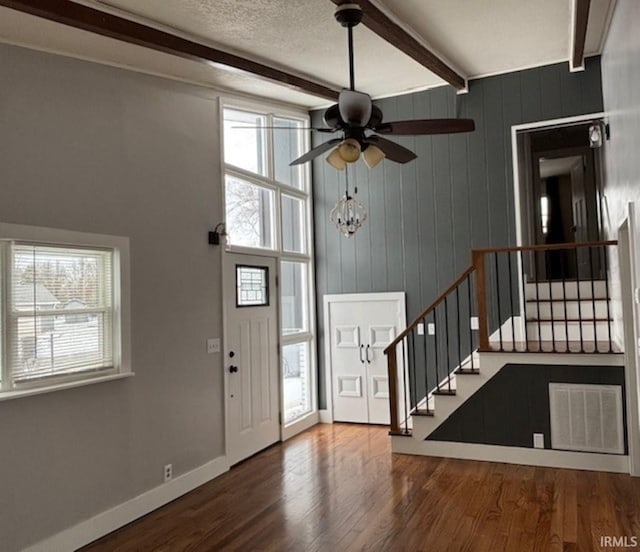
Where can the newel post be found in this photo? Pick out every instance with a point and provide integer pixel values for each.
(481, 300)
(392, 368)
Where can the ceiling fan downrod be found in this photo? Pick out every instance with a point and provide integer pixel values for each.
(349, 15)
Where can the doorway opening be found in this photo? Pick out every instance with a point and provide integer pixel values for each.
(558, 197)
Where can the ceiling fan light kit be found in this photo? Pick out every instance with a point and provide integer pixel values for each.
(372, 156)
(336, 161)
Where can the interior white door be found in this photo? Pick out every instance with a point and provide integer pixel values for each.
(349, 372)
(381, 329)
(360, 331)
(251, 355)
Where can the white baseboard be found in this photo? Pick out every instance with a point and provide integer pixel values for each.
(299, 426)
(325, 417)
(91, 529)
(513, 455)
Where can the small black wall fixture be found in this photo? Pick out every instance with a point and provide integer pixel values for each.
(218, 232)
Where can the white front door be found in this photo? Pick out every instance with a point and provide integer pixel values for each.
(360, 329)
(251, 355)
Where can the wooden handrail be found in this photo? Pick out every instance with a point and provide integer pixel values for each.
(430, 308)
(545, 247)
(477, 266)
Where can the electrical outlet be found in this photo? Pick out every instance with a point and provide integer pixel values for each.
(213, 345)
(431, 328)
(538, 440)
(421, 329)
(168, 472)
(475, 325)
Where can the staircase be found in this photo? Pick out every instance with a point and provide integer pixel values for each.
(432, 374)
(569, 312)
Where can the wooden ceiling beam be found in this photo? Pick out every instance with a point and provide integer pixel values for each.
(112, 26)
(394, 34)
(580, 19)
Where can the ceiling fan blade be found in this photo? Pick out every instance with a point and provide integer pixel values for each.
(316, 129)
(427, 126)
(355, 107)
(318, 150)
(393, 152)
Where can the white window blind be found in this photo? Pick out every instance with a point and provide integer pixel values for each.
(60, 311)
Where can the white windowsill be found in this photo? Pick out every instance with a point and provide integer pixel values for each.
(17, 394)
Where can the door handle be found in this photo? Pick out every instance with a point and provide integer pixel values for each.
(361, 359)
(233, 369)
(367, 353)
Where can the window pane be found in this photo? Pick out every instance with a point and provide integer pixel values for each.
(249, 213)
(296, 383)
(294, 297)
(287, 146)
(62, 302)
(244, 145)
(252, 288)
(293, 224)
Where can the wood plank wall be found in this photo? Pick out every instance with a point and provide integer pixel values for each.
(426, 216)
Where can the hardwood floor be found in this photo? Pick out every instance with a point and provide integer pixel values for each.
(338, 488)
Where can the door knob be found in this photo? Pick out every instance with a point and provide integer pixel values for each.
(233, 369)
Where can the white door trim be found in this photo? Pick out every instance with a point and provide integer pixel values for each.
(326, 416)
(515, 129)
(628, 283)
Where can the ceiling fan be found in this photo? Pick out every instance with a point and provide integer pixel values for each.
(361, 122)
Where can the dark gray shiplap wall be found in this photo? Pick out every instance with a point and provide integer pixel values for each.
(426, 216)
(514, 405)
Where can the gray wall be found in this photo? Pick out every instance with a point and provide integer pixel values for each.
(97, 149)
(427, 215)
(514, 404)
(621, 91)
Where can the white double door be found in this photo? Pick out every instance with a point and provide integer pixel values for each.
(360, 328)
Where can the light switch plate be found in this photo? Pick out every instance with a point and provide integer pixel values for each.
(475, 325)
(213, 345)
(538, 440)
(431, 328)
(421, 329)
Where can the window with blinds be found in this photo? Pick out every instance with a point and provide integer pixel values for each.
(58, 313)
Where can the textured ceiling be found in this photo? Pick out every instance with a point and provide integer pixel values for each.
(478, 37)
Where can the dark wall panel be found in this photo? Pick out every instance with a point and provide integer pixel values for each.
(426, 216)
(514, 405)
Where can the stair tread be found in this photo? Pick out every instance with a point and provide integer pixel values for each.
(422, 413)
(468, 372)
(534, 320)
(568, 300)
(444, 392)
(566, 280)
(561, 346)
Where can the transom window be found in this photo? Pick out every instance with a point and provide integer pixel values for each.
(268, 207)
(59, 316)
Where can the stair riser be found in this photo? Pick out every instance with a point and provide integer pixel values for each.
(546, 331)
(583, 309)
(570, 291)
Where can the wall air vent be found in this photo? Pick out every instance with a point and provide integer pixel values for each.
(586, 417)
